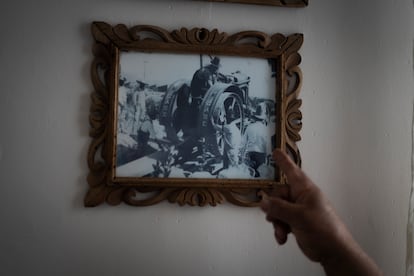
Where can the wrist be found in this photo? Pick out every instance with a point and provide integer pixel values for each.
(349, 259)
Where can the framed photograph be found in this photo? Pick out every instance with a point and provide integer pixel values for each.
(190, 116)
(282, 3)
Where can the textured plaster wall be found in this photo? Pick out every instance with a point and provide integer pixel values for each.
(357, 107)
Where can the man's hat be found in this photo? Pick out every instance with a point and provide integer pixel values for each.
(262, 111)
(215, 61)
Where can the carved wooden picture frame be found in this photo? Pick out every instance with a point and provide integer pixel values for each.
(167, 106)
(281, 3)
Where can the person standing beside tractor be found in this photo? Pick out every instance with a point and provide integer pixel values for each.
(203, 79)
(126, 108)
(256, 145)
(146, 133)
(139, 104)
(231, 136)
(201, 82)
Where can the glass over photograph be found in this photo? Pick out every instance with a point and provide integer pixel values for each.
(195, 116)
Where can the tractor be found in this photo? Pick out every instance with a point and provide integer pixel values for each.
(226, 101)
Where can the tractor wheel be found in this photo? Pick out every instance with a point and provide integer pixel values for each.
(173, 109)
(224, 109)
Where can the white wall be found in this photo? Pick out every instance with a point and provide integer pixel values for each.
(357, 107)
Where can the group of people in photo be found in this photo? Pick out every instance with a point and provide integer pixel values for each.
(136, 115)
(247, 144)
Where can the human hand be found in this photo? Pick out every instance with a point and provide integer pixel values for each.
(302, 209)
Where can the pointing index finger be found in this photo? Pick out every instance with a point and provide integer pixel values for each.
(293, 173)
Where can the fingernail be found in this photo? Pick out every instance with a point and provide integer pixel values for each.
(281, 236)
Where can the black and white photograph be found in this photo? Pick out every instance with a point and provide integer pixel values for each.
(195, 116)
